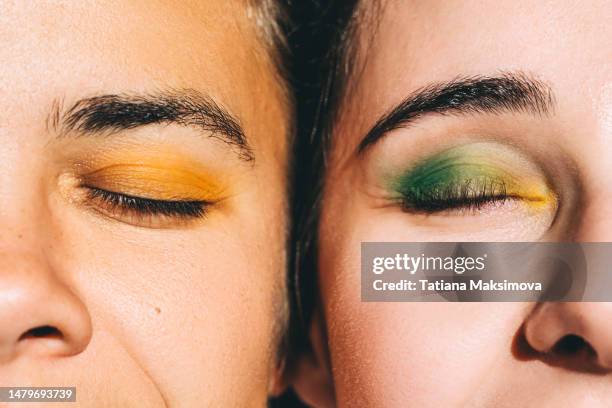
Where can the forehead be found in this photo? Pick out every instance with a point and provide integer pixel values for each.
(68, 50)
(488, 34)
(418, 42)
(111, 45)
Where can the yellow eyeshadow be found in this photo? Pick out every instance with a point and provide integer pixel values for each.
(157, 176)
(535, 193)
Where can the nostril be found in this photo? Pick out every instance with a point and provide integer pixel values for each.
(572, 344)
(571, 352)
(575, 353)
(42, 331)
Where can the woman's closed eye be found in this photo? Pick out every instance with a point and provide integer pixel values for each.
(125, 205)
(470, 179)
(150, 194)
(470, 194)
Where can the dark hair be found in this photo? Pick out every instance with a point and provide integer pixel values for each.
(319, 45)
(322, 49)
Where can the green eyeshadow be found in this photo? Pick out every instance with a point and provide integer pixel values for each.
(467, 175)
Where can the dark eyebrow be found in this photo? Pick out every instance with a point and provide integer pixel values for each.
(112, 113)
(513, 92)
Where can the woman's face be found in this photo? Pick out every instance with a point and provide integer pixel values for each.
(512, 97)
(142, 174)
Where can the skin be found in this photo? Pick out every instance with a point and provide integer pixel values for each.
(146, 311)
(467, 354)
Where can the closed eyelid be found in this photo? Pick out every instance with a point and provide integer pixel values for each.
(156, 182)
(144, 212)
(471, 174)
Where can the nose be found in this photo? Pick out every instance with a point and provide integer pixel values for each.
(575, 335)
(39, 313)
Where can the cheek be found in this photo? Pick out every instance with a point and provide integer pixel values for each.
(390, 354)
(384, 354)
(178, 302)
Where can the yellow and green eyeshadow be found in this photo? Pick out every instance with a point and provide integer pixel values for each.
(470, 176)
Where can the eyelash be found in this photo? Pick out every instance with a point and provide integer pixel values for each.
(468, 194)
(147, 207)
